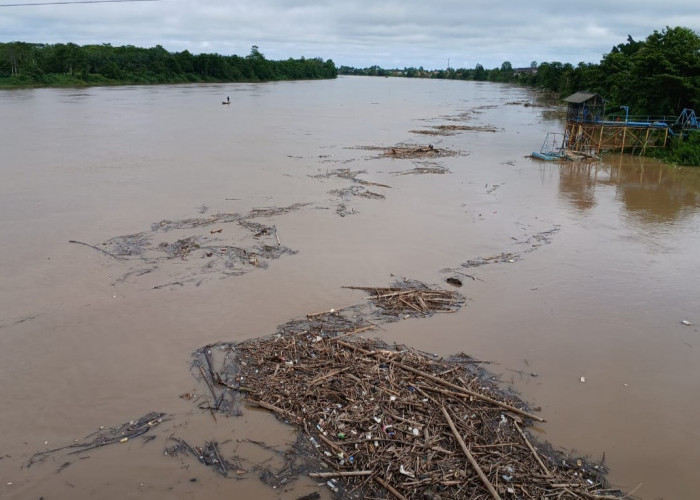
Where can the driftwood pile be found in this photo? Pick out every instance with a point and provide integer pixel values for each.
(411, 151)
(389, 421)
(380, 421)
(453, 129)
(417, 299)
(403, 152)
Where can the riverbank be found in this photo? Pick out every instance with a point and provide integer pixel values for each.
(71, 65)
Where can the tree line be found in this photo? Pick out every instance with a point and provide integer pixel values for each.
(658, 76)
(35, 64)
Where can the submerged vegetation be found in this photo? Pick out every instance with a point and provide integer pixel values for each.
(35, 64)
(681, 151)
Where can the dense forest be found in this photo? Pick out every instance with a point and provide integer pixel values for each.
(33, 64)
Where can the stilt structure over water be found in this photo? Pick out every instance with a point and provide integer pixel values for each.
(588, 131)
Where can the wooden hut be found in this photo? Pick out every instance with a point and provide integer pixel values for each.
(585, 107)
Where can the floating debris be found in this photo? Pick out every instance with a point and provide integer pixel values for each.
(411, 151)
(360, 191)
(208, 455)
(379, 419)
(424, 168)
(447, 130)
(235, 251)
(413, 300)
(104, 437)
(357, 189)
(531, 244)
(454, 281)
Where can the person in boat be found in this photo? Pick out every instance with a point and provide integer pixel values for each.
(228, 99)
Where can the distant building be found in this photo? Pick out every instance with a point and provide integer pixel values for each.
(525, 71)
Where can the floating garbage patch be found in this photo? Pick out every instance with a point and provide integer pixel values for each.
(379, 421)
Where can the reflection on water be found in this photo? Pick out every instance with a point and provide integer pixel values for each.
(577, 184)
(649, 191)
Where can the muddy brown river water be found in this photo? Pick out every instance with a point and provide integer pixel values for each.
(87, 340)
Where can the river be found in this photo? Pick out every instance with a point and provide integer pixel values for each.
(586, 323)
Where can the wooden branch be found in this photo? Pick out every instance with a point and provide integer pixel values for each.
(330, 311)
(211, 389)
(98, 249)
(468, 392)
(330, 374)
(330, 443)
(268, 406)
(389, 488)
(470, 458)
(463, 390)
(534, 452)
(356, 331)
(350, 473)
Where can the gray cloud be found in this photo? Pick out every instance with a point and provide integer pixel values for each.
(360, 32)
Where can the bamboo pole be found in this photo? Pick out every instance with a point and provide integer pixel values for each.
(390, 488)
(624, 136)
(445, 383)
(470, 458)
(534, 452)
(349, 473)
(468, 392)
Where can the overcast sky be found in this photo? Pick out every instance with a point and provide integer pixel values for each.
(360, 33)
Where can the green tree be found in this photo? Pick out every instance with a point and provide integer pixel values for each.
(479, 73)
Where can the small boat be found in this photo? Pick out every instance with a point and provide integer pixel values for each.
(552, 148)
(547, 156)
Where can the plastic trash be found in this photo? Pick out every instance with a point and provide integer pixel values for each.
(406, 472)
(332, 486)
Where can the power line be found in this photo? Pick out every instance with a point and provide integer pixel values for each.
(70, 2)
